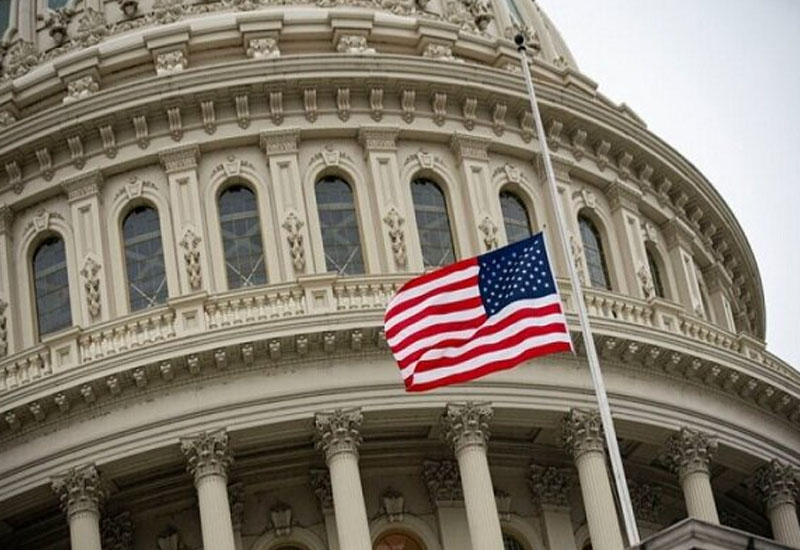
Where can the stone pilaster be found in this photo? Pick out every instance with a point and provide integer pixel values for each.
(582, 436)
(623, 198)
(678, 237)
(466, 428)
(550, 488)
(8, 301)
(321, 485)
(777, 485)
(646, 500)
(208, 458)
(117, 532)
(81, 493)
(443, 481)
(236, 499)
(337, 435)
(473, 164)
(689, 454)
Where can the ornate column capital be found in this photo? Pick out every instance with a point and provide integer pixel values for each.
(443, 480)
(466, 424)
(469, 147)
(777, 484)
(6, 218)
(625, 195)
(689, 451)
(178, 159)
(276, 142)
(378, 138)
(80, 490)
(117, 532)
(338, 432)
(582, 432)
(207, 454)
(83, 185)
(646, 500)
(321, 485)
(550, 486)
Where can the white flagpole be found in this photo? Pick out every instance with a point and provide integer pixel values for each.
(591, 352)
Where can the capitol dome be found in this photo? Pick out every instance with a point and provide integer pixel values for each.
(205, 207)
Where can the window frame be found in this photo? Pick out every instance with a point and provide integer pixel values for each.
(320, 178)
(220, 191)
(443, 189)
(33, 247)
(527, 206)
(125, 212)
(600, 236)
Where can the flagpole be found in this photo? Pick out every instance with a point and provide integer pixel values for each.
(591, 353)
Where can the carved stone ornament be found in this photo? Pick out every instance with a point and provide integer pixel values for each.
(167, 11)
(393, 505)
(171, 62)
(689, 451)
(236, 501)
(550, 486)
(191, 256)
(91, 29)
(3, 328)
(503, 502)
(582, 432)
(489, 231)
(128, 7)
(81, 88)
(465, 425)
(281, 517)
(57, 23)
(207, 454)
(92, 285)
(170, 539)
(646, 500)
(7, 118)
(263, 48)
(646, 282)
(397, 237)
(441, 52)
(777, 484)
(116, 532)
(80, 490)
(20, 58)
(338, 432)
(577, 258)
(321, 485)
(294, 236)
(353, 44)
(443, 480)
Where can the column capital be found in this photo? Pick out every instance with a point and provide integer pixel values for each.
(646, 500)
(466, 424)
(777, 484)
(550, 486)
(207, 454)
(561, 167)
(83, 185)
(117, 532)
(338, 432)
(443, 480)
(677, 233)
(469, 147)
(378, 138)
(178, 159)
(276, 142)
(582, 432)
(623, 195)
(690, 451)
(80, 490)
(321, 485)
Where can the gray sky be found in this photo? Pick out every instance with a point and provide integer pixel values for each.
(719, 80)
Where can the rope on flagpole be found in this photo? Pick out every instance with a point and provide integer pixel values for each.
(591, 353)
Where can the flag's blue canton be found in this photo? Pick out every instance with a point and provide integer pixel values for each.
(516, 272)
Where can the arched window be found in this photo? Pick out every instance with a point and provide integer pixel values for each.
(398, 541)
(511, 543)
(433, 224)
(144, 258)
(51, 286)
(241, 237)
(5, 16)
(515, 217)
(341, 238)
(593, 250)
(655, 272)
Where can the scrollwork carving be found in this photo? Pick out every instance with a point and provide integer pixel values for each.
(191, 256)
(92, 285)
(397, 237)
(294, 236)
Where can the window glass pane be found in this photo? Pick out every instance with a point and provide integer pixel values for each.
(341, 238)
(51, 286)
(241, 237)
(5, 15)
(397, 541)
(144, 258)
(510, 543)
(515, 217)
(55, 4)
(432, 223)
(593, 250)
(655, 272)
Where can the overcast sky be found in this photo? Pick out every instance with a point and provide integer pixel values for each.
(719, 80)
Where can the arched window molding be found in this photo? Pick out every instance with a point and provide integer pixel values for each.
(132, 192)
(145, 267)
(523, 531)
(519, 222)
(595, 251)
(300, 537)
(339, 164)
(410, 524)
(339, 226)
(433, 222)
(241, 236)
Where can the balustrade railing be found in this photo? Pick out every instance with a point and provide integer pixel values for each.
(24, 368)
(255, 305)
(114, 337)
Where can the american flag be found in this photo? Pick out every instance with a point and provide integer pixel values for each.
(477, 316)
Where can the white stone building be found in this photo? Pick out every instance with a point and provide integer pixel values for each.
(205, 207)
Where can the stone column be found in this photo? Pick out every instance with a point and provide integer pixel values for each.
(208, 459)
(466, 428)
(777, 484)
(689, 454)
(447, 497)
(337, 436)
(550, 487)
(582, 436)
(81, 493)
